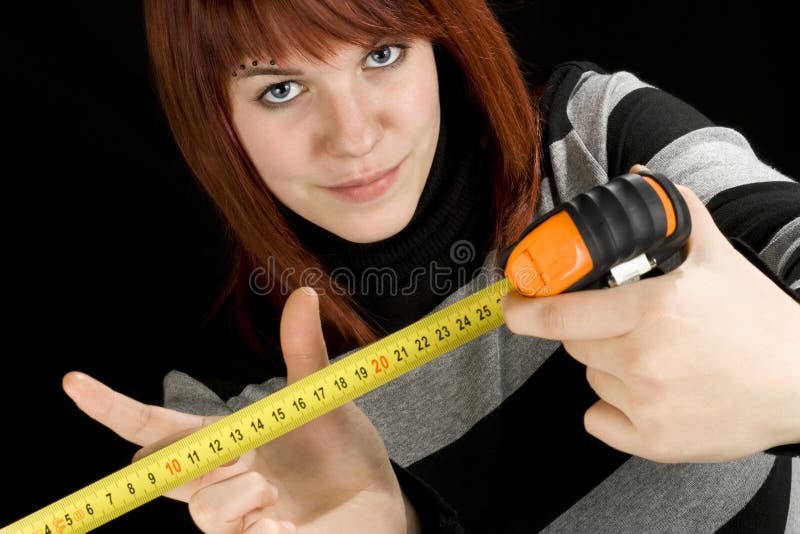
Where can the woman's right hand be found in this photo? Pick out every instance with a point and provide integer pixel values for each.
(330, 475)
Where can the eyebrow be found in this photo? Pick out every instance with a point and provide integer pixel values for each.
(275, 71)
(270, 71)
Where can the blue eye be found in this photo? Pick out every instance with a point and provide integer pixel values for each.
(282, 92)
(385, 55)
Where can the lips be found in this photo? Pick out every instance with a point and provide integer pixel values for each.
(367, 187)
(364, 180)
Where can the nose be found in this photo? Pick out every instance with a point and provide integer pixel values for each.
(353, 126)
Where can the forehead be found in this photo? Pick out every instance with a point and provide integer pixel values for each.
(305, 31)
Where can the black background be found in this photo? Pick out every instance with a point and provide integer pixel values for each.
(112, 254)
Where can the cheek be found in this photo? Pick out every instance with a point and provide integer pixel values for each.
(416, 110)
(277, 158)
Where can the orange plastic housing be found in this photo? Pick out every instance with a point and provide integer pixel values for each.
(669, 209)
(550, 259)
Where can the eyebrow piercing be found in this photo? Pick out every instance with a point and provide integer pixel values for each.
(254, 63)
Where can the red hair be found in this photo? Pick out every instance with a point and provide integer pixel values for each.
(197, 45)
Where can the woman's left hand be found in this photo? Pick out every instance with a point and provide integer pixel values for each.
(331, 474)
(699, 364)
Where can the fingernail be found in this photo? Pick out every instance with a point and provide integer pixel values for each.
(309, 291)
(76, 379)
(138, 454)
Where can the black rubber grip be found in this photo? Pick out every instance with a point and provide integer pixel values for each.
(620, 220)
(626, 217)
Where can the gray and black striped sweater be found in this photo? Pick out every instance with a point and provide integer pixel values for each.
(490, 437)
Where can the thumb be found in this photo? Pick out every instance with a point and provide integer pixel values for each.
(706, 239)
(302, 342)
(706, 236)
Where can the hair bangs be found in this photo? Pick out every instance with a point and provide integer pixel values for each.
(237, 32)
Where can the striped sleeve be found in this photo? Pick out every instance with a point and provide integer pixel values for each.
(599, 124)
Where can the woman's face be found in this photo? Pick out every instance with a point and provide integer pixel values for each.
(346, 144)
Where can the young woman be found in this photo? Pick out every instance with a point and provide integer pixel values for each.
(341, 137)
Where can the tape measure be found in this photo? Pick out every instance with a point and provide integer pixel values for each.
(226, 439)
(624, 227)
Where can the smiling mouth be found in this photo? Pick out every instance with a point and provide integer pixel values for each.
(366, 180)
(367, 188)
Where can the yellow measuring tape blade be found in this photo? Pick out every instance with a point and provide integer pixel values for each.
(274, 415)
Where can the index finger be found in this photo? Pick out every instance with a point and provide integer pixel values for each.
(138, 423)
(582, 315)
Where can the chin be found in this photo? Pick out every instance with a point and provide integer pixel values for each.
(373, 236)
(373, 231)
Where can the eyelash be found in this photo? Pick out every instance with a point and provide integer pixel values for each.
(402, 56)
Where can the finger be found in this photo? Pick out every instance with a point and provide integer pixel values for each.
(704, 229)
(603, 354)
(608, 387)
(138, 423)
(706, 239)
(611, 426)
(158, 445)
(185, 491)
(301, 335)
(582, 315)
(235, 467)
(222, 507)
